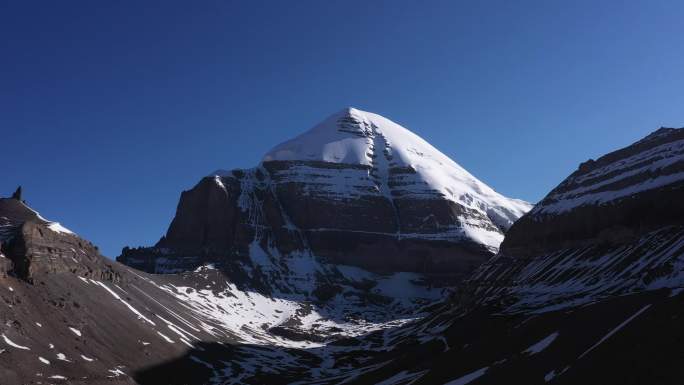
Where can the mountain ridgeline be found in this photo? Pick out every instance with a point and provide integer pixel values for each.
(615, 226)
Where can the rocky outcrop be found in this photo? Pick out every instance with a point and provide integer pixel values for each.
(17, 194)
(32, 245)
(38, 250)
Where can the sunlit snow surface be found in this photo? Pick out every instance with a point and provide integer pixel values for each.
(362, 138)
(330, 142)
(249, 316)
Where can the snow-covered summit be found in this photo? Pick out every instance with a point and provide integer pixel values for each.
(352, 136)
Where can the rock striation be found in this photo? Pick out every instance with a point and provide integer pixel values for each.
(614, 226)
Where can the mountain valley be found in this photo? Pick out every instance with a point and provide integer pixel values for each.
(358, 253)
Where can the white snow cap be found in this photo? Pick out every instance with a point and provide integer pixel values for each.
(54, 226)
(351, 137)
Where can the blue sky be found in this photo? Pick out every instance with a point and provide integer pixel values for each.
(108, 110)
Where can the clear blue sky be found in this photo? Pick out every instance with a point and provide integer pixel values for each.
(109, 109)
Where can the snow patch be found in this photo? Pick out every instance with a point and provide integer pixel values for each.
(167, 339)
(615, 330)
(116, 372)
(62, 357)
(56, 227)
(131, 308)
(541, 345)
(12, 344)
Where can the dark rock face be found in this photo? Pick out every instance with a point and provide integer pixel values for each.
(206, 217)
(17, 194)
(223, 215)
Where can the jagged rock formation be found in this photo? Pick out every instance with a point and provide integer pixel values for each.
(17, 194)
(357, 190)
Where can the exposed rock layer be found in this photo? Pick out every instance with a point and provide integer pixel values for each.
(615, 226)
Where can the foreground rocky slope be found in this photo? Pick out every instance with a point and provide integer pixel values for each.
(69, 315)
(357, 189)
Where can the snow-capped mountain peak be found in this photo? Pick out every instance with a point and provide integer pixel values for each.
(410, 166)
(352, 136)
(399, 204)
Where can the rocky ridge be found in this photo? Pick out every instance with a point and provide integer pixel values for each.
(615, 226)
